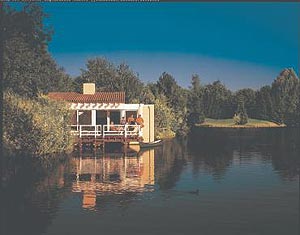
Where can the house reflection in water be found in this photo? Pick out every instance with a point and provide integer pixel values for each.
(111, 175)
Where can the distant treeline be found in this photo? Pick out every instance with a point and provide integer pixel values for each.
(29, 71)
(178, 108)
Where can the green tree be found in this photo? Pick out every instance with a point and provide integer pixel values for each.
(248, 96)
(165, 119)
(147, 96)
(109, 77)
(285, 96)
(217, 101)
(264, 104)
(195, 102)
(176, 99)
(240, 117)
(28, 68)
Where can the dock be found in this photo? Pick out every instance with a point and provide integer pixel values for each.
(98, 135)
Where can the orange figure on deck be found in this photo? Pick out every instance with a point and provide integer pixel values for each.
(140, 121)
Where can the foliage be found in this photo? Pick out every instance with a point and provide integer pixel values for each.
(216, 100)
(35, 127)
(176, 99)
(264, 104)
(285, 96)
(27, 24)
(195, 103)
(247, 96)
(165, 119)
(240, 117)
(109, 77)
(147, 96)
(195, 118)
(28, 68)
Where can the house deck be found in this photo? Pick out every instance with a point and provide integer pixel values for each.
(98, 135)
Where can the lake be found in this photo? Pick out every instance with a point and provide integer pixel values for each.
(215, 181)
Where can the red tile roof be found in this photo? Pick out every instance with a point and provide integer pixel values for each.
(98, 97)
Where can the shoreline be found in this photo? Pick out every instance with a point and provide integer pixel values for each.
(238, 127)
(229, 123)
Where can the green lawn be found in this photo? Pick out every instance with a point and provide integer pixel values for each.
(255, 123)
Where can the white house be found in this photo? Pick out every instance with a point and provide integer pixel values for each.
(94, 113)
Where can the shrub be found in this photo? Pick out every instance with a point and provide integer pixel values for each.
(35, 126)
(195, 118)
(240, 117)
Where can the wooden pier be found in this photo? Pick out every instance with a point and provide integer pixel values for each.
(97, 136)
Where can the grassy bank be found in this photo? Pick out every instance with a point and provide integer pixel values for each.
(229, 123)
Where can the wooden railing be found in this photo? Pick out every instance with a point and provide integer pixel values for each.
(87, 130)
(106, 130)
(113, 130)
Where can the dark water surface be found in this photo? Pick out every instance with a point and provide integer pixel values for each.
(213, 182)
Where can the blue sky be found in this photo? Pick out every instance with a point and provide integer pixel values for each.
(241, 44)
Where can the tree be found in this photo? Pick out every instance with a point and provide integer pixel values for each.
(147, 96)
(264, 104)
(195, 103)
(109, 77)
(165, 119)
(248, 96)
(28, 68)
(217, 101)
(129, 82)
(240, 117)
(176, 95)
(176, 98)
(285, 96)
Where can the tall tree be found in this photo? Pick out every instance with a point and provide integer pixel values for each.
(195, 102)
(109, 77)
(28, 68)
(217, 101)
(176, 97)
(264, 105)
(285, 96)
(248, 96)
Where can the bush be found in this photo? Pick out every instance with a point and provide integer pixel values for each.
(36, 127)
(195, 118)
(240, 117)
(165, 119)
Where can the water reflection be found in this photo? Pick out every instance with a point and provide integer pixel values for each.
(216, 150)
(97, 177)
(249, 172)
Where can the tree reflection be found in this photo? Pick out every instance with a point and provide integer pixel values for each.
(211, 152)
(170, 161)
(214, 149)
(30, 199)
(32, 190)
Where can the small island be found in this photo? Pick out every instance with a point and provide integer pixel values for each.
(229, 123)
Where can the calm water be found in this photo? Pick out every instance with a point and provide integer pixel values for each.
(213, 182)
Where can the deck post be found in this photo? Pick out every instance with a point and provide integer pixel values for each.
(80, 146)
(125, 131)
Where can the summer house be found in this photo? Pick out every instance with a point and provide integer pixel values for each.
(97, 116)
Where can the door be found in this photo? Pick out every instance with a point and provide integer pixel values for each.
(115, 116)
(101, 117)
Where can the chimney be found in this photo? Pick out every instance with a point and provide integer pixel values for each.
(89, 88)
